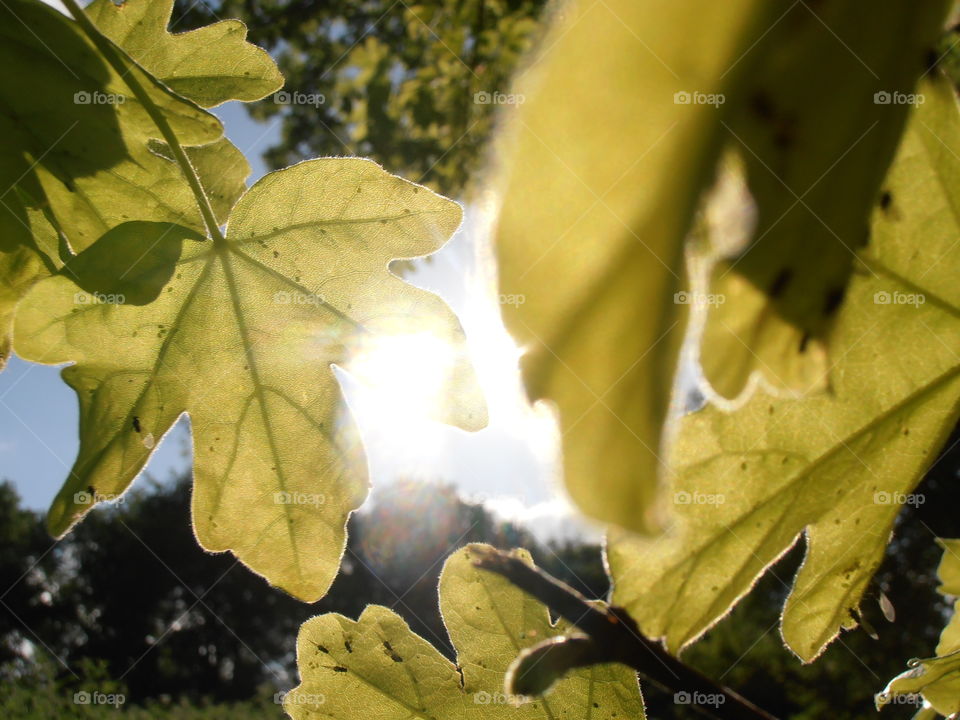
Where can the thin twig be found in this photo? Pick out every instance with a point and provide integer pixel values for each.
(618, 639)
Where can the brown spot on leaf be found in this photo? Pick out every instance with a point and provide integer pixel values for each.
(780, 282)
(833, 300)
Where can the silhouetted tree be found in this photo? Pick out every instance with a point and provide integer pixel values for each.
(135, 591)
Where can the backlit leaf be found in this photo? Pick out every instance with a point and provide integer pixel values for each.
(223, 171)
(817, 122)
(210, 65)
(376, 667)
(78, 150)
(837, 466)
(242, 335)
(608, 155)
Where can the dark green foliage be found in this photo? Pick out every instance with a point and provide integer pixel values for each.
(130, 592)
(43, 695)
(398, 81)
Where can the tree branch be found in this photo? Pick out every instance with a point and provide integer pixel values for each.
(618, 639)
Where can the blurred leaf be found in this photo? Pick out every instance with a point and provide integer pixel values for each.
(817, 122)
(837, 466)
(376, 667)
(592, 226)
(887, 608)
(243, 336)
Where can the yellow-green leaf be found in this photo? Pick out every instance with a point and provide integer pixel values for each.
(837, 466)
(817, 122)
(85, 137)
(241, 336)
(376, 667)
(26, 256)
(78, 150)
(608, 154)
(20, 268)
(210, 65)
(936, 679)
(222, 169)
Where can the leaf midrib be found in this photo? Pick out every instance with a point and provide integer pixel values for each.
(258, 388)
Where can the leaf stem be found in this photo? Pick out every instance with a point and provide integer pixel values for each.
(618, 639)
(119, 64)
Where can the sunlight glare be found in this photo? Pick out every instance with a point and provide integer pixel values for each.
(397, 387)
(407, 373)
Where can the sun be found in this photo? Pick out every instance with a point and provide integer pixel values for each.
(405, 372)
(397, 388)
